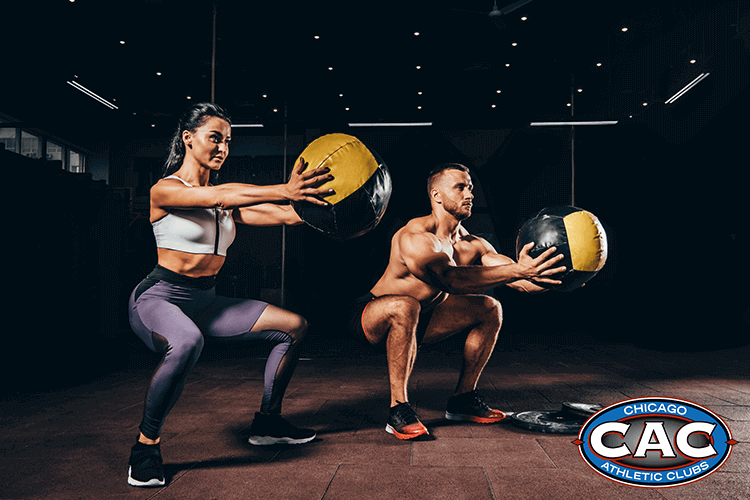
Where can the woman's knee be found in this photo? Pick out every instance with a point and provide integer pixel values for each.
(186, 346)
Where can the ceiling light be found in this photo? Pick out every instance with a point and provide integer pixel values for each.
(122, 42)
(553, 124)
(624, 30)
(514, 44)
(392, 124)
(275, 110)
(645, 104)
(498, 91)
(568, 105)
(685, 88)
(416, 33)
(507, 65)
(341, 95)
(419, 67)
(524, 18)
(158, 73)
(419, 93)
(89, 93)
(330, 68)
(580, 90)
(494, 106)
(247, 125)
(265, 95)
(189, 97)
(317, 37)
(692, 61)
(598, 65)
(419, 107)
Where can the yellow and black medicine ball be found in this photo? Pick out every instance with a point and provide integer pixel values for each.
(362, 185)
(576, 233)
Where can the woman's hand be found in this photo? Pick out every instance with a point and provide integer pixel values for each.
(304, 186)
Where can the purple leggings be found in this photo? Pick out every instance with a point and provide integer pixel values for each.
(171, 314)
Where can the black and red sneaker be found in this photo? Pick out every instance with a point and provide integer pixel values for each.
(470, 407)
(404, 423)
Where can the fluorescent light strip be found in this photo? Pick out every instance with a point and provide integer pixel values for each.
(247, 125)
(552, 124)
(92, 95)
(686, 88)
(392, 124)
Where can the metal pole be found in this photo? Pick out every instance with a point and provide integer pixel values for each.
(572, 145)
(283, 227)
(213, 57)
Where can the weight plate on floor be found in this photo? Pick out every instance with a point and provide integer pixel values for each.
(551, 422)
(580, 410)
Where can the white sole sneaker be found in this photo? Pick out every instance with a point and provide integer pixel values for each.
(269, 440)
(150, 482)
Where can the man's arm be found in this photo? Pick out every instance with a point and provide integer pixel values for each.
(427, 260)
(490, 257)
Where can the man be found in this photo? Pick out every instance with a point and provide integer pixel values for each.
(431, 289)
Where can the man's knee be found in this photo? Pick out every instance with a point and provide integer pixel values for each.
(404, 311)
(493, 310)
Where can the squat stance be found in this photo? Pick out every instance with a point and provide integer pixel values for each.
(431, 289)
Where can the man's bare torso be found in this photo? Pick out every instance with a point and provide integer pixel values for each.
(462, 250)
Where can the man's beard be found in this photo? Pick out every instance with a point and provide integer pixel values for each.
(459, 212)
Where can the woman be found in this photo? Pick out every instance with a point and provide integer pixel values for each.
(176, 305)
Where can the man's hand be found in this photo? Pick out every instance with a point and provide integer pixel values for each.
(539, 269)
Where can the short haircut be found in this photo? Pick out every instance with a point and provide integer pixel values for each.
(438, 171)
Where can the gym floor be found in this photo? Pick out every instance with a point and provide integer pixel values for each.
(74, 441)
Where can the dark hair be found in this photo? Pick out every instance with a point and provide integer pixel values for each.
(438, 171)
(195, 116)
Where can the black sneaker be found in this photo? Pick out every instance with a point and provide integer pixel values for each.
(145, 465)
(404, 423)
(273, 429)
(470, 406)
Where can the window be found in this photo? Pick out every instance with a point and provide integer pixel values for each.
(76, 163)
(8, 137)
(54, 151)
(31, 145)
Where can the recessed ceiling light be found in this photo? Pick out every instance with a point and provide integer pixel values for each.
(122, 42)
(347, 109)
(419, 67)
(317, 37)
(275, 110)
(330, 68)
(624, 30)
(416, 33)
(568, 105)
(498, 91)
(419, 107)
(598, 65)
(189, 97)
(515, 44)
(692, 61)
(158, 73)
(645, 104)
(507, 65)
(419, 93)
(524, 18)
(494, 105)
(265, 95)
(580, 90)
(341, 95)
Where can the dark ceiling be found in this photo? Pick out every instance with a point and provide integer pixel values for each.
(267, 60)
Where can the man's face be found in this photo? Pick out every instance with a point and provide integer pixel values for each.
(455, 189)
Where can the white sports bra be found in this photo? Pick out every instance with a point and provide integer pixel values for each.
(195, 230)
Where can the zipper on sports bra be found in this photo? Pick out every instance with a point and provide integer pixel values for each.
(216, 244)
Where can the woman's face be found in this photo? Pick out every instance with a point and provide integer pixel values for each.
(209, 143)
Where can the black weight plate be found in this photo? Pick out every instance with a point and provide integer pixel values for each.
(580, 410)
(551, 422)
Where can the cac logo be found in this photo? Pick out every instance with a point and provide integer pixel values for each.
(655, 442)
